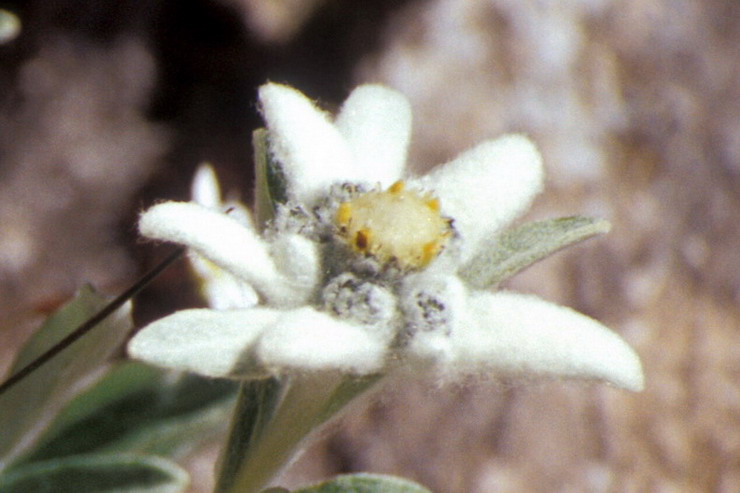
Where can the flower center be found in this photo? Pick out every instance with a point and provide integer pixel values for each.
(396, 225)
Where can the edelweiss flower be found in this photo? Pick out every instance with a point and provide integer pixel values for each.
(360, 266)
(221, 289)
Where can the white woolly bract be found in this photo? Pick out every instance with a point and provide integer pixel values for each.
(312, 152)
(486, 187)
(308, 340)
(508, 333)
(208, 342)
(255, 342)
(297, 257)
(376, 122)
(222, 240)
(222, 290)
(205, 189)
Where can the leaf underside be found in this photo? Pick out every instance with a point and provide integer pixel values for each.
(518, 248)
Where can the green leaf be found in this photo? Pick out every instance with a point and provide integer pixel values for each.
(97, 474)
(349, 388)
(28, 407)
(257, 402)
(271, 187)
(520, 247)
(274, 419)
(365, 483)
(137, 408)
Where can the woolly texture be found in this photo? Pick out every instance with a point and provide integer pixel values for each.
(221, 289)
(223, 241)
(303, 136)
(520, 335)
(254, 342)
(496, 180)
(333, 299)
(307, 340)
(374, 114)
(208, 342)
(297, 258)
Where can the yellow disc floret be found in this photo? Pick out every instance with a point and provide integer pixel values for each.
(397, 225)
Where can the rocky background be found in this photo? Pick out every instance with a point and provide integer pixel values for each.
(107, 106)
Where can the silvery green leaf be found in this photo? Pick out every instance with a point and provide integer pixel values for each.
(97, 474)
(136, 408)
(27, 408)
(257, 402)
(517, 248)
(348, 389)
(273, 417)
(365, 483)
(271, 187)
(118, 384)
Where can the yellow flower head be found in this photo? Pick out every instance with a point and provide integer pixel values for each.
(396, 225)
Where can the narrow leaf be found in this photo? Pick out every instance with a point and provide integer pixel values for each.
(365, 483)
(137, 408)
(274, 420)
(348, 389)
(518, 248)
(118, 385)
(97, 474)
(256, 404)
(28, 407)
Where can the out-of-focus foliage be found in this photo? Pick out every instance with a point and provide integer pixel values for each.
(113, 436)
(139, 409)
(31, 404)
(97, 474)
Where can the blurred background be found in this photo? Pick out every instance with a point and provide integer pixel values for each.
(106, 107)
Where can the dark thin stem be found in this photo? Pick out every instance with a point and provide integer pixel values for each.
(92, 321)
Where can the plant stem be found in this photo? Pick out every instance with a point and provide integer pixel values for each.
(256, 402)
(272, 419)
